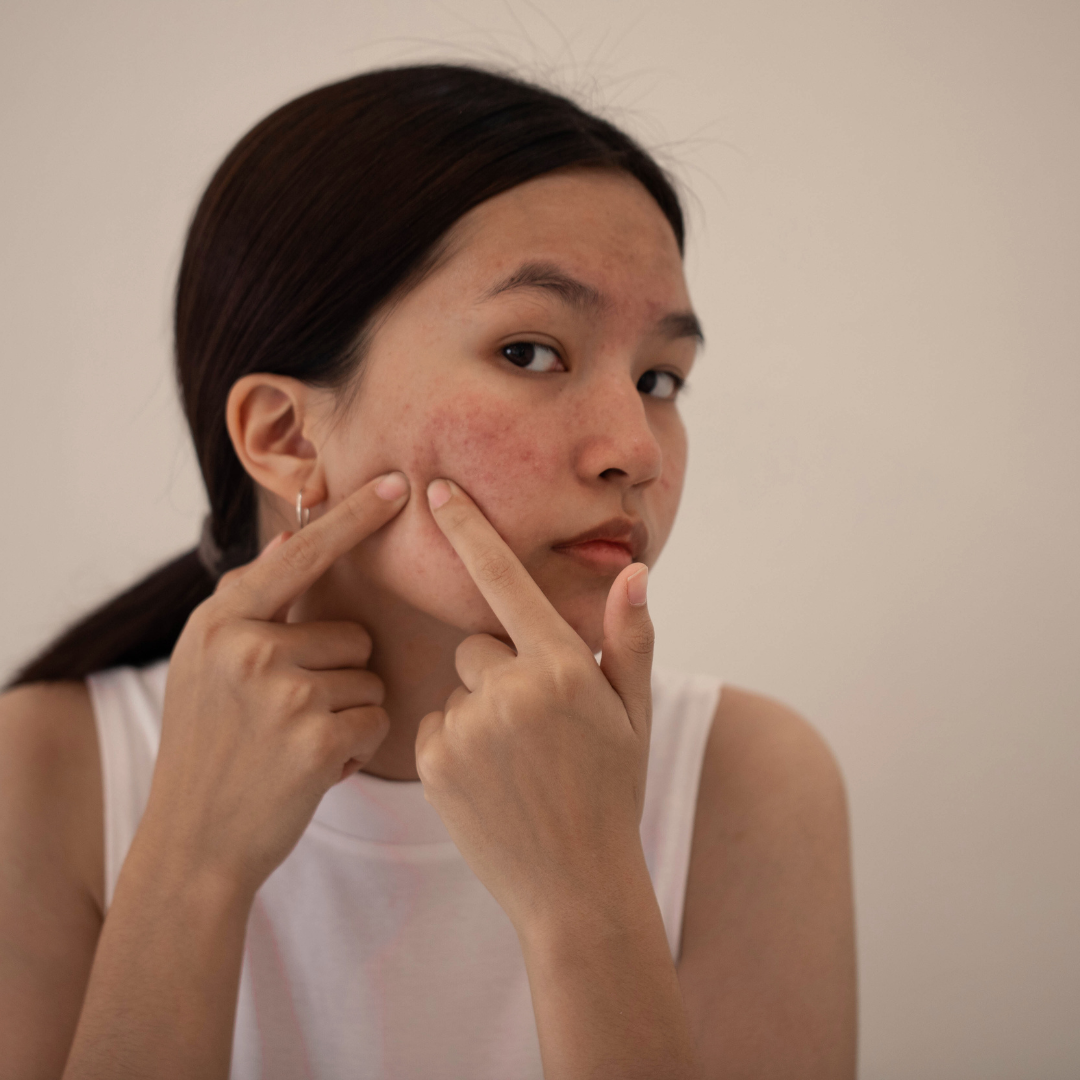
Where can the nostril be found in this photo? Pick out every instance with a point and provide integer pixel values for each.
(611, 474)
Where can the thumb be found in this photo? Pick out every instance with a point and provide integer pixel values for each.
(626, 660)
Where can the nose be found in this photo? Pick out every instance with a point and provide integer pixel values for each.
(616, 442)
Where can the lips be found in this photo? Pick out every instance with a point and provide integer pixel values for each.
(625, 533)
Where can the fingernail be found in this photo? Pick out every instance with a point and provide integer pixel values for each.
(392, 486)
(637, 586)
(438, 494)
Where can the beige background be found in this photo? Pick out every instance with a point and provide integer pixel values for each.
(881, 524)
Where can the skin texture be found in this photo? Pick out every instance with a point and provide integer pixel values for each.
(545, 456)
(425, 604)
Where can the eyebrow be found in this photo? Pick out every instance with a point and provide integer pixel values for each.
(577, 294)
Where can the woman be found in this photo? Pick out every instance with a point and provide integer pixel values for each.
(348, 780)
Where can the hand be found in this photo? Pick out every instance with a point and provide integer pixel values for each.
(537, 764)
(262, 717)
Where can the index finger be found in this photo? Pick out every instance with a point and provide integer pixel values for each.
(277, 579)
(518, 602)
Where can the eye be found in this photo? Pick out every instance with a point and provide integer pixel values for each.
(660, 384)
(532, 356)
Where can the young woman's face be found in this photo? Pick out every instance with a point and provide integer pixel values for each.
(537, 367)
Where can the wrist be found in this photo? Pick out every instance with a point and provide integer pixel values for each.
(164, 874)
(621, 907)
(605, 990)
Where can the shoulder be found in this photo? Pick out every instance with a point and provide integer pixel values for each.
(760, 750)
(770, 789)
(50, 780)
(771, 803)
(768, 926)
(43, 715)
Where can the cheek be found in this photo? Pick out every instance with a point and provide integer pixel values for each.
(504, 456)
(508, 461)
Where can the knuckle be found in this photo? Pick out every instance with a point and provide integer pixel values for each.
(234, 601)
(205, 621)
(565, 676)
(300, 553)
(641, 638)
(295, 695)
(249, 654)
(378, 719)
(502, 681)
(374, 724)
(360, 640)
(457, 696)
(372, 689)
(359, 512)
(494, 568)
(229, 578)
(464, 652)
(454, 514)
(431, 762)
(319, 744)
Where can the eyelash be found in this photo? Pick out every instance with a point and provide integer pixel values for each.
(678, 380)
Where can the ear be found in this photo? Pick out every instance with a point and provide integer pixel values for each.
(270, 420)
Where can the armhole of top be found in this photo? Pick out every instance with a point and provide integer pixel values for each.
(126, 704)
(688, 708)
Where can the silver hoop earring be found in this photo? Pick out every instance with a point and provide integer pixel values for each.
(303, 514)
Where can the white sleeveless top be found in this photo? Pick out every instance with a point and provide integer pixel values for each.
(373, 950)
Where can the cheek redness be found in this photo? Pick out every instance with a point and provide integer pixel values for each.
(503, 459)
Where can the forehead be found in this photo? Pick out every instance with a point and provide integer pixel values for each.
(600, 225)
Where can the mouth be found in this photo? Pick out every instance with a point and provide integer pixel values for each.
(609, 547)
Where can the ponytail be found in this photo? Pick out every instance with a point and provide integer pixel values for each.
(137, 627)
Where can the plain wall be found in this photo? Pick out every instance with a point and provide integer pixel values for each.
(881, 522)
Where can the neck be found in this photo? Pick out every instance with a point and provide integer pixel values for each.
(412, 653)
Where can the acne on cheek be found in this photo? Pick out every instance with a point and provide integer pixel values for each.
(496, 454)
(507, 460)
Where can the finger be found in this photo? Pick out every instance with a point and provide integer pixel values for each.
(628, 644)
(321, 646)
(457, 696)
(477, 653)
(363, 730)
(427, 736)
(339, 691)
(272, 583)
(524, 611)
(234, 575)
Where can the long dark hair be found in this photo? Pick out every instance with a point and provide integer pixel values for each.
(322, 212)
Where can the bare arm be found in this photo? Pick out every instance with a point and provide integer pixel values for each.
(604, 988)
(537, 767)
(765, 986)
(768, 951)
(260, 719)
(162, 994)
(167, 956)
(50, 873)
